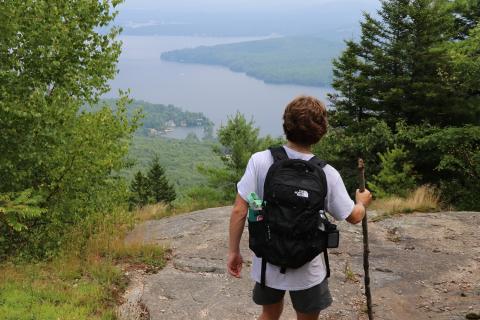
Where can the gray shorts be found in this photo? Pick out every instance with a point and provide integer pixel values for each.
(307, 301)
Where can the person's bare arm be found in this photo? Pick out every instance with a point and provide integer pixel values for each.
(363, 200)
(237, 224)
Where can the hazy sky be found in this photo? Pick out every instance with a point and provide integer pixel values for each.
(227, 5)
(243, 17)
(222, 3)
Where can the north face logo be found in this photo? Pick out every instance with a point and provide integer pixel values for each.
(302, 193)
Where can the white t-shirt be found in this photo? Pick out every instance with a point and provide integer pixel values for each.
(338, 204)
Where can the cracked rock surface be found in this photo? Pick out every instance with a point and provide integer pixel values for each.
(422, 266)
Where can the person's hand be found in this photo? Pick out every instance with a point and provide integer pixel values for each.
(234, 264)
(364, 197)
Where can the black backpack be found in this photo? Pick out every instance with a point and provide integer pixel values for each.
(294, 229)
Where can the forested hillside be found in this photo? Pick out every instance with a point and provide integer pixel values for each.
(180, 158)
(293, 60)
(160, 117)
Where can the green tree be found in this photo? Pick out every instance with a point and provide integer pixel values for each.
(415, 68)
(239, 139)
(466, 69)
(192, 138)
(467, 16)
(159, 189)
(400, 68)
(139, 191)
(457, 154)
(55, 59)
(396, 176)
(349, 104)
(342, 146)
(448, 158)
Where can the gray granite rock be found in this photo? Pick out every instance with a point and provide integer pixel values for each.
(409, 280)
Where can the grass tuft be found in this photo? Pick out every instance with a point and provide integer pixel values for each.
(349, 274)
(85, 280)
(422, 199)
(150, 255)
(152, 212)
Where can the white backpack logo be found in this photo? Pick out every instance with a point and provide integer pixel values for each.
(302, 193)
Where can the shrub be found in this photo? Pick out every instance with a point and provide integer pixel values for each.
(449, 158)
(459, 150)
(396, 175)
(342, 146)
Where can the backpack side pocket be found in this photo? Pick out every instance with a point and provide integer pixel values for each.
(257, 237)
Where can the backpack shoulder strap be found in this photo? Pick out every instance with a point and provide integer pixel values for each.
(278, 153)
(318, 162)
(321, 164)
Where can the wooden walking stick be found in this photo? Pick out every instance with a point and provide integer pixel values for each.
(366, 250)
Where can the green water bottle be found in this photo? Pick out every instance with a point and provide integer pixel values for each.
(255, 206)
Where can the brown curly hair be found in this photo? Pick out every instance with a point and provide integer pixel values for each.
(305, 120)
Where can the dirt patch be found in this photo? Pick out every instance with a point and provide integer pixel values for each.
(423, 266)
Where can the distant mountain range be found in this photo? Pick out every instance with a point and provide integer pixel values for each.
(332, 20)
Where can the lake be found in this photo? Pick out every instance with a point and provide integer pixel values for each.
(215, 91)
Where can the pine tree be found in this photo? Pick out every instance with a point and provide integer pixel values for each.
(396, 176)
(465, 52)
(159, 188)
(467, 16)
(400, 68)
(350, 82)
(239, 139)
(466, 57)
(139, 190)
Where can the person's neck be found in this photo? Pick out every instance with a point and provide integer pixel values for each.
(299, 148)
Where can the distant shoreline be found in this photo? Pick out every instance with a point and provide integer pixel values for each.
(304, 61)
(252, 74)
(215, 91)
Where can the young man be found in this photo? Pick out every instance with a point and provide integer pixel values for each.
(305, 123)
